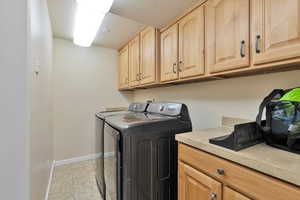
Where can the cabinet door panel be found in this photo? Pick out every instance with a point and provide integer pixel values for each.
(241, 178)
(169, 54)
(230, 194)
(191, 44)
(276, 30)
(227, 34)
(123, 68)
(134, 62)
(148, 56)
(193, 185)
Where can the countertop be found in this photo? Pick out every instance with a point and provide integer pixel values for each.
(263, 158)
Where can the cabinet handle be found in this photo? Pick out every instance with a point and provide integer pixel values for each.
(221, 171)
(180, 66)
(213, 196)
(142, 76)
(242, 51)
(257, 49)
(174, 68)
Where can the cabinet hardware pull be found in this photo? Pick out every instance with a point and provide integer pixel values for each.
(213, 196)
(142, 76)
(242, 51)
(180, 66)
(257, 44)
(174, 68)
(221, 171)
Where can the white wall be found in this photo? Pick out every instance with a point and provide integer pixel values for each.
(85, 81)
(14, 101)
(209, 101)
(41, 108)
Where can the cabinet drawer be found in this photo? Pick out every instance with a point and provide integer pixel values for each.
(254, 184)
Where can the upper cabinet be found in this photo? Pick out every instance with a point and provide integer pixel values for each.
(143, 59)
(227, 34)
(182, 48)
(169, 54)
(134, 62)
(148, 51)
(217, 39)
(191, 44)
(276, 30)
(124, 68)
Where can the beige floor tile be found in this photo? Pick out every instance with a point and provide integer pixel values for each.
(75, 182)
(86, 193)
(61, 196)
(82, 173)
(80, 184)
(62, 172)
(60, 188)
(63, 177)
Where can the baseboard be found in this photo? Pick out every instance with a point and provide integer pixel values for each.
(49, 180)
(82, 158)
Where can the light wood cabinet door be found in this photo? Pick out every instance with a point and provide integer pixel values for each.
(123, 68)
(169, 54)
(148, 56)
(194, 185)
(276, 30)
(191, 44)
(229, 194)
(134, 62)
(227, 34)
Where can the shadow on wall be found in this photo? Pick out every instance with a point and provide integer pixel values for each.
(209, 101)
(84, 82)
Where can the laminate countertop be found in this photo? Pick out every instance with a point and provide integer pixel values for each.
(263, 158)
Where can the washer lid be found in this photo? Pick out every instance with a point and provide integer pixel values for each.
(133, 107)
(105, 114)
(135, 119)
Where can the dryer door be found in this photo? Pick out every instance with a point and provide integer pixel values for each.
(112, 163)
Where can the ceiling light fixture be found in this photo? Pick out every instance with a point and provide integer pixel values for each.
(89, 17)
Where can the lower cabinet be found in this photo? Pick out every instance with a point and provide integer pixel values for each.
(203, 176)
(230, 194)
(194, 185)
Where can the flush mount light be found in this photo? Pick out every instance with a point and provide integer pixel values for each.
(89, 17)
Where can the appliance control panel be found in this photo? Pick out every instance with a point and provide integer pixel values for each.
(138, 107)
(164, 108)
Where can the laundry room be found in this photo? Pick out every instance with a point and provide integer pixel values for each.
(150, 99)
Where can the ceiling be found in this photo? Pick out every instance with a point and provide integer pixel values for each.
(125, 19)
(156, 13)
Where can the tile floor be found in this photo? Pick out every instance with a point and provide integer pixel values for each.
(74, 182)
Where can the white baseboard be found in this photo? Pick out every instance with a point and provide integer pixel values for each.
(49, 181)
(82, 158)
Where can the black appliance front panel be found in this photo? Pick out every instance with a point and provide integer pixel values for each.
(149, 167)
(99, 144)
(112, 163)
